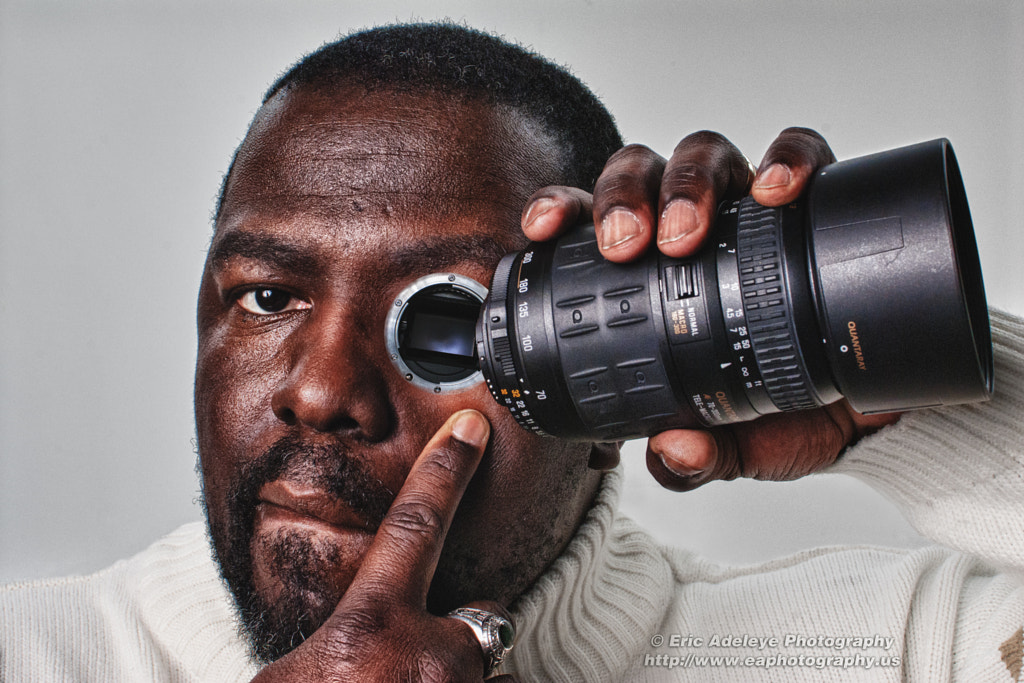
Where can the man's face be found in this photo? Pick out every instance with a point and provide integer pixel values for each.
(306, 430)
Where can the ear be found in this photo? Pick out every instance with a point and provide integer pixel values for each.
(604, 456)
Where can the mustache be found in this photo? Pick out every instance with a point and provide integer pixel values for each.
(330, 467)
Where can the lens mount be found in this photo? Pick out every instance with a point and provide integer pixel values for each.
(430, 332)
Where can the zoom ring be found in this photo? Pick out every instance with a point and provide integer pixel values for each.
(766, 307)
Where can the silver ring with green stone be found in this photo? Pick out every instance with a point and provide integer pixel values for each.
(494, 632)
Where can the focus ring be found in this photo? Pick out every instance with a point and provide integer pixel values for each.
(767, 309)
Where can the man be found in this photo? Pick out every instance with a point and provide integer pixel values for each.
(350, 512)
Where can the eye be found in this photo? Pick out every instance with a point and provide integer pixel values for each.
(267, 301)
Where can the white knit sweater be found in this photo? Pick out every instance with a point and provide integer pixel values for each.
(618, 607)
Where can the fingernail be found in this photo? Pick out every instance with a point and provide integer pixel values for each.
(618, 227)
(471, 428)
(537, 209)
(676, 467)
(678, 220)
(776, 175)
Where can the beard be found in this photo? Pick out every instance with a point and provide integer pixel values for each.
(301, 564)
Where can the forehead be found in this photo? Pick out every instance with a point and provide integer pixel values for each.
(361, 164)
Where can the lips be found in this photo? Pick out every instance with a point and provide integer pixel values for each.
(304, 504)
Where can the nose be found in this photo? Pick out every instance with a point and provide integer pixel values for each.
(332, 382)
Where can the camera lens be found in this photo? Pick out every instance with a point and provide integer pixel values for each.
(870, 289)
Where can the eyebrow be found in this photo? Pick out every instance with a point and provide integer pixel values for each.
(437, 252)
(270, 249)
(442, 251)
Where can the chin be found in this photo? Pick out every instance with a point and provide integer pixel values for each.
(286, 583)
(297, 581)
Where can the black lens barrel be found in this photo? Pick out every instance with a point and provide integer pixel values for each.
(607, 374)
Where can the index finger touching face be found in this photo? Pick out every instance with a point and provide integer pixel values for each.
(400, 563)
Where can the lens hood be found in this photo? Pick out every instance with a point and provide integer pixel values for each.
(897, 280)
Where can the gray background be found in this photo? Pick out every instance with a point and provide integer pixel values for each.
(118, 118)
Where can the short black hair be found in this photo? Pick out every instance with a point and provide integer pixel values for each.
(462, 62)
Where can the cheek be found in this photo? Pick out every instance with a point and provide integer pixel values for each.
(516, 460)
(424, 412)
(233, 390)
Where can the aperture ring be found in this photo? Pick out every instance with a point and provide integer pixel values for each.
(766, 302)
